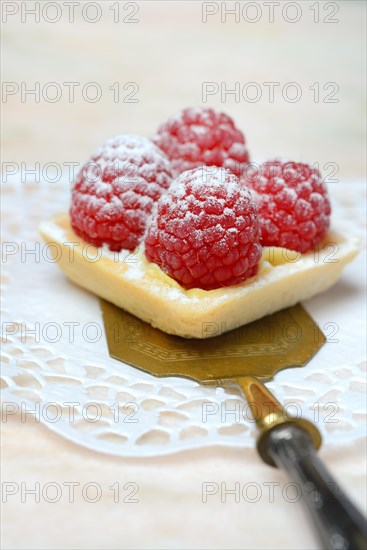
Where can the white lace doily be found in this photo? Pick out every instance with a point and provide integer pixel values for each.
(63, 371)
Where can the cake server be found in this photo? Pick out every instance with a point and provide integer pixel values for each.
(246, 357)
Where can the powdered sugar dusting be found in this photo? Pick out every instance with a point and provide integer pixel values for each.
(114, 193)
(293, 204)
(200, 136)
(205, 232)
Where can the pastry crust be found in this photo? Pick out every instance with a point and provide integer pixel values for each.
(129, 281)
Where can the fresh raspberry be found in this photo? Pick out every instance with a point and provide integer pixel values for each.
(194, 137)
(293, 204)
(205, 230)
(114, 192)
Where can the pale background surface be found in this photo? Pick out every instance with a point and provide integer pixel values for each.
(169, 53)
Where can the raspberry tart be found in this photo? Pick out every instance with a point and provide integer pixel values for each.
(205, 247)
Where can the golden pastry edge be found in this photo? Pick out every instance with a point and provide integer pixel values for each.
(141, 288)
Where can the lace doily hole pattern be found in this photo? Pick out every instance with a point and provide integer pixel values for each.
(121, 411)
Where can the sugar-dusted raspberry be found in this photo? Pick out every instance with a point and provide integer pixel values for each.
(293, 204)
(205, 230)
(114, 192)
(198, 136)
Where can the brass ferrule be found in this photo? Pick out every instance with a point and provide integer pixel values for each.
(269, 414)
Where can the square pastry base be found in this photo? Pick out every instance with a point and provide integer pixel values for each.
(129, 281)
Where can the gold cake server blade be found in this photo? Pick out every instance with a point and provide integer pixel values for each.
(247, 357)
